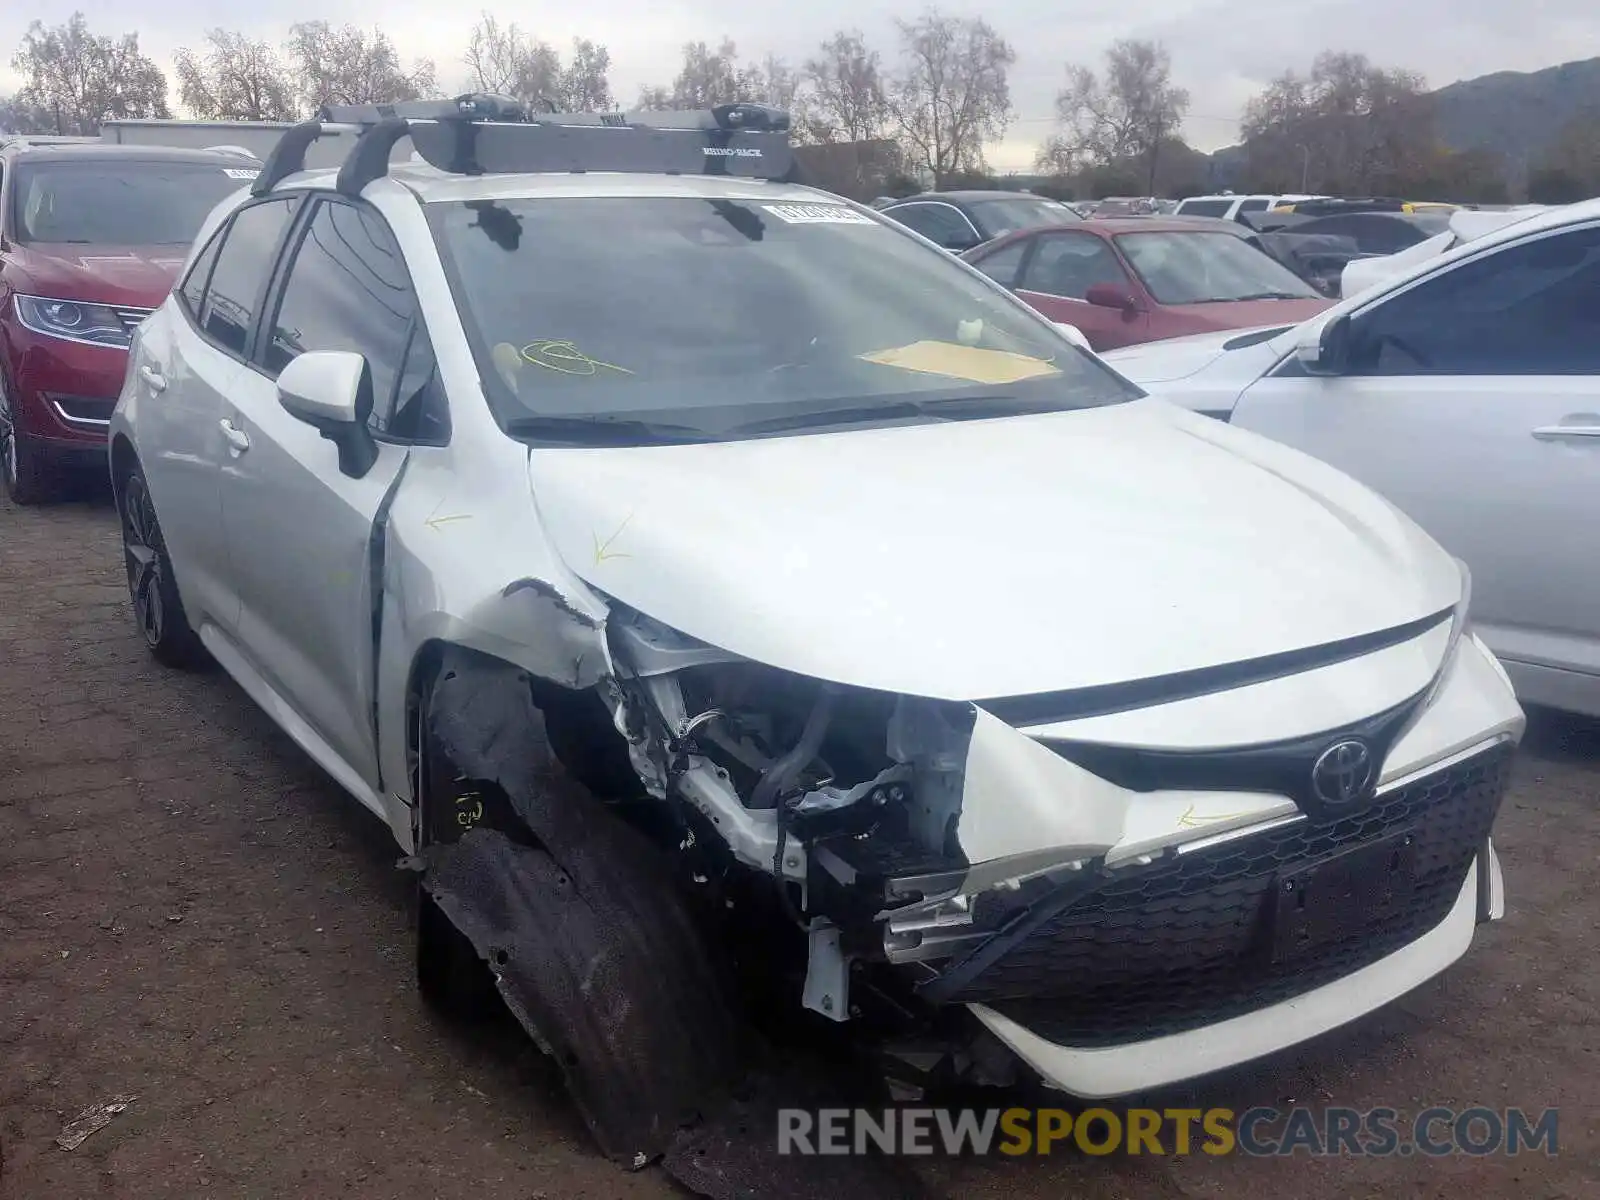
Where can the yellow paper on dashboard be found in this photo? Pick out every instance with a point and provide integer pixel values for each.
(973, 364)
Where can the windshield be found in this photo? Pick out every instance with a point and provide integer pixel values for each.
(707, 318)
(995, 217)
(1194, 268)
(121, 203)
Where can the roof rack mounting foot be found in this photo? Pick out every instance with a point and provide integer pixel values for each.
(288, 157)
(369, 159)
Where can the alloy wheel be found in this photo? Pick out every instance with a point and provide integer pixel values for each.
(8, 438)
(142, 546)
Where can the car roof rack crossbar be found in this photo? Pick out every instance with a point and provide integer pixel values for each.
(479, 134)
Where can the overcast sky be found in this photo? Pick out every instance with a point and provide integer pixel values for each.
(1222, 52)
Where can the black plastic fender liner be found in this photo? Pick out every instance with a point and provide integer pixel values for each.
(597, 957)
(593, 948)
(612, 995)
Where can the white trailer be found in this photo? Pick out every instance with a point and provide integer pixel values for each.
(254, 137)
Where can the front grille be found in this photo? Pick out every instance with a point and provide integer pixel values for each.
(131, 318)
(1187, 941)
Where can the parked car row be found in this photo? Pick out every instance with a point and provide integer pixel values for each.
(695, 569)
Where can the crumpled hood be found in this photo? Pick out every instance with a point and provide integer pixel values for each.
(969, 560)
(139, 276)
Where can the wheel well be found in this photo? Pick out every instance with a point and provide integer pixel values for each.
(123, 458)
(577, 722)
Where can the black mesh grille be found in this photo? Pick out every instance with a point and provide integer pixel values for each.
(1187, 941)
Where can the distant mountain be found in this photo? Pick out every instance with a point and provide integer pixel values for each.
(1517, 114)
(1514, 114)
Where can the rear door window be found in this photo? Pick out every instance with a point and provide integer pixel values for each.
(1069, 264)
(1205, 208)
(193, 292)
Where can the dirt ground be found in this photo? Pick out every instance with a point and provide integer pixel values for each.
(192, 915)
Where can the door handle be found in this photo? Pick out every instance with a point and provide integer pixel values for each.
(154, 379)
(238, 439)
(1547, 433)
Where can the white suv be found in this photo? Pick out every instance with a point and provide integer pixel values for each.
(689, 565)
(1231, 207)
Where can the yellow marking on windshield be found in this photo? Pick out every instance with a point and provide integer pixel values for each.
(558, 354)
(973, 364)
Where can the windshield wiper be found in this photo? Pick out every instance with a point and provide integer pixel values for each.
(1269, 296)
(950, 408)
(604, 431)
(822, 417)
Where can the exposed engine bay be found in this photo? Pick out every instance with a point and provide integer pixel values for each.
(881, 815)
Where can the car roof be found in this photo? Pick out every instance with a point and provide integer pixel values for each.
(432, 185)
(973, 194)
(112, 152)
(1111, 226)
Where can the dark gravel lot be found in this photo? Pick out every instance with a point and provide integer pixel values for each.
(192, 915)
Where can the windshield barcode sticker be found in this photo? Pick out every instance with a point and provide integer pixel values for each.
(817, 214)
(239, 173)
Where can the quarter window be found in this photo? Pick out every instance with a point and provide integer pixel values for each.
(240, 274)
(1002, 265)
(1527, 310)
(939, 223)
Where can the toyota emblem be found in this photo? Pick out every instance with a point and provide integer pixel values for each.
(1342, 772)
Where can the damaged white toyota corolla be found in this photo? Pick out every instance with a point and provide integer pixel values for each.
(692, 569)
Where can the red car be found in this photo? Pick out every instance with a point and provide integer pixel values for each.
(1140, 279)
(91, 238)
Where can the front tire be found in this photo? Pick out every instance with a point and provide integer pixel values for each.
(157, 607)
(23, 465)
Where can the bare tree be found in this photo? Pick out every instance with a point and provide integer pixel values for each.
(505, 60)
(1347, 126)
(19, 116)
(345, 65)
(710, 77)
(508, 62)
(585, 81)
(845, 98)
(1119, 116)
(654, 97)
(774, 82)
(952, 94)
(77, 79)
(235, 79)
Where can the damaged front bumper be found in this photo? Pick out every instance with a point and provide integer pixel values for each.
(1119, 916)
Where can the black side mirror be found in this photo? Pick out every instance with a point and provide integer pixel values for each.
(1325, 351)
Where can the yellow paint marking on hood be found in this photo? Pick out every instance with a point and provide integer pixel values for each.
(973, 364)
